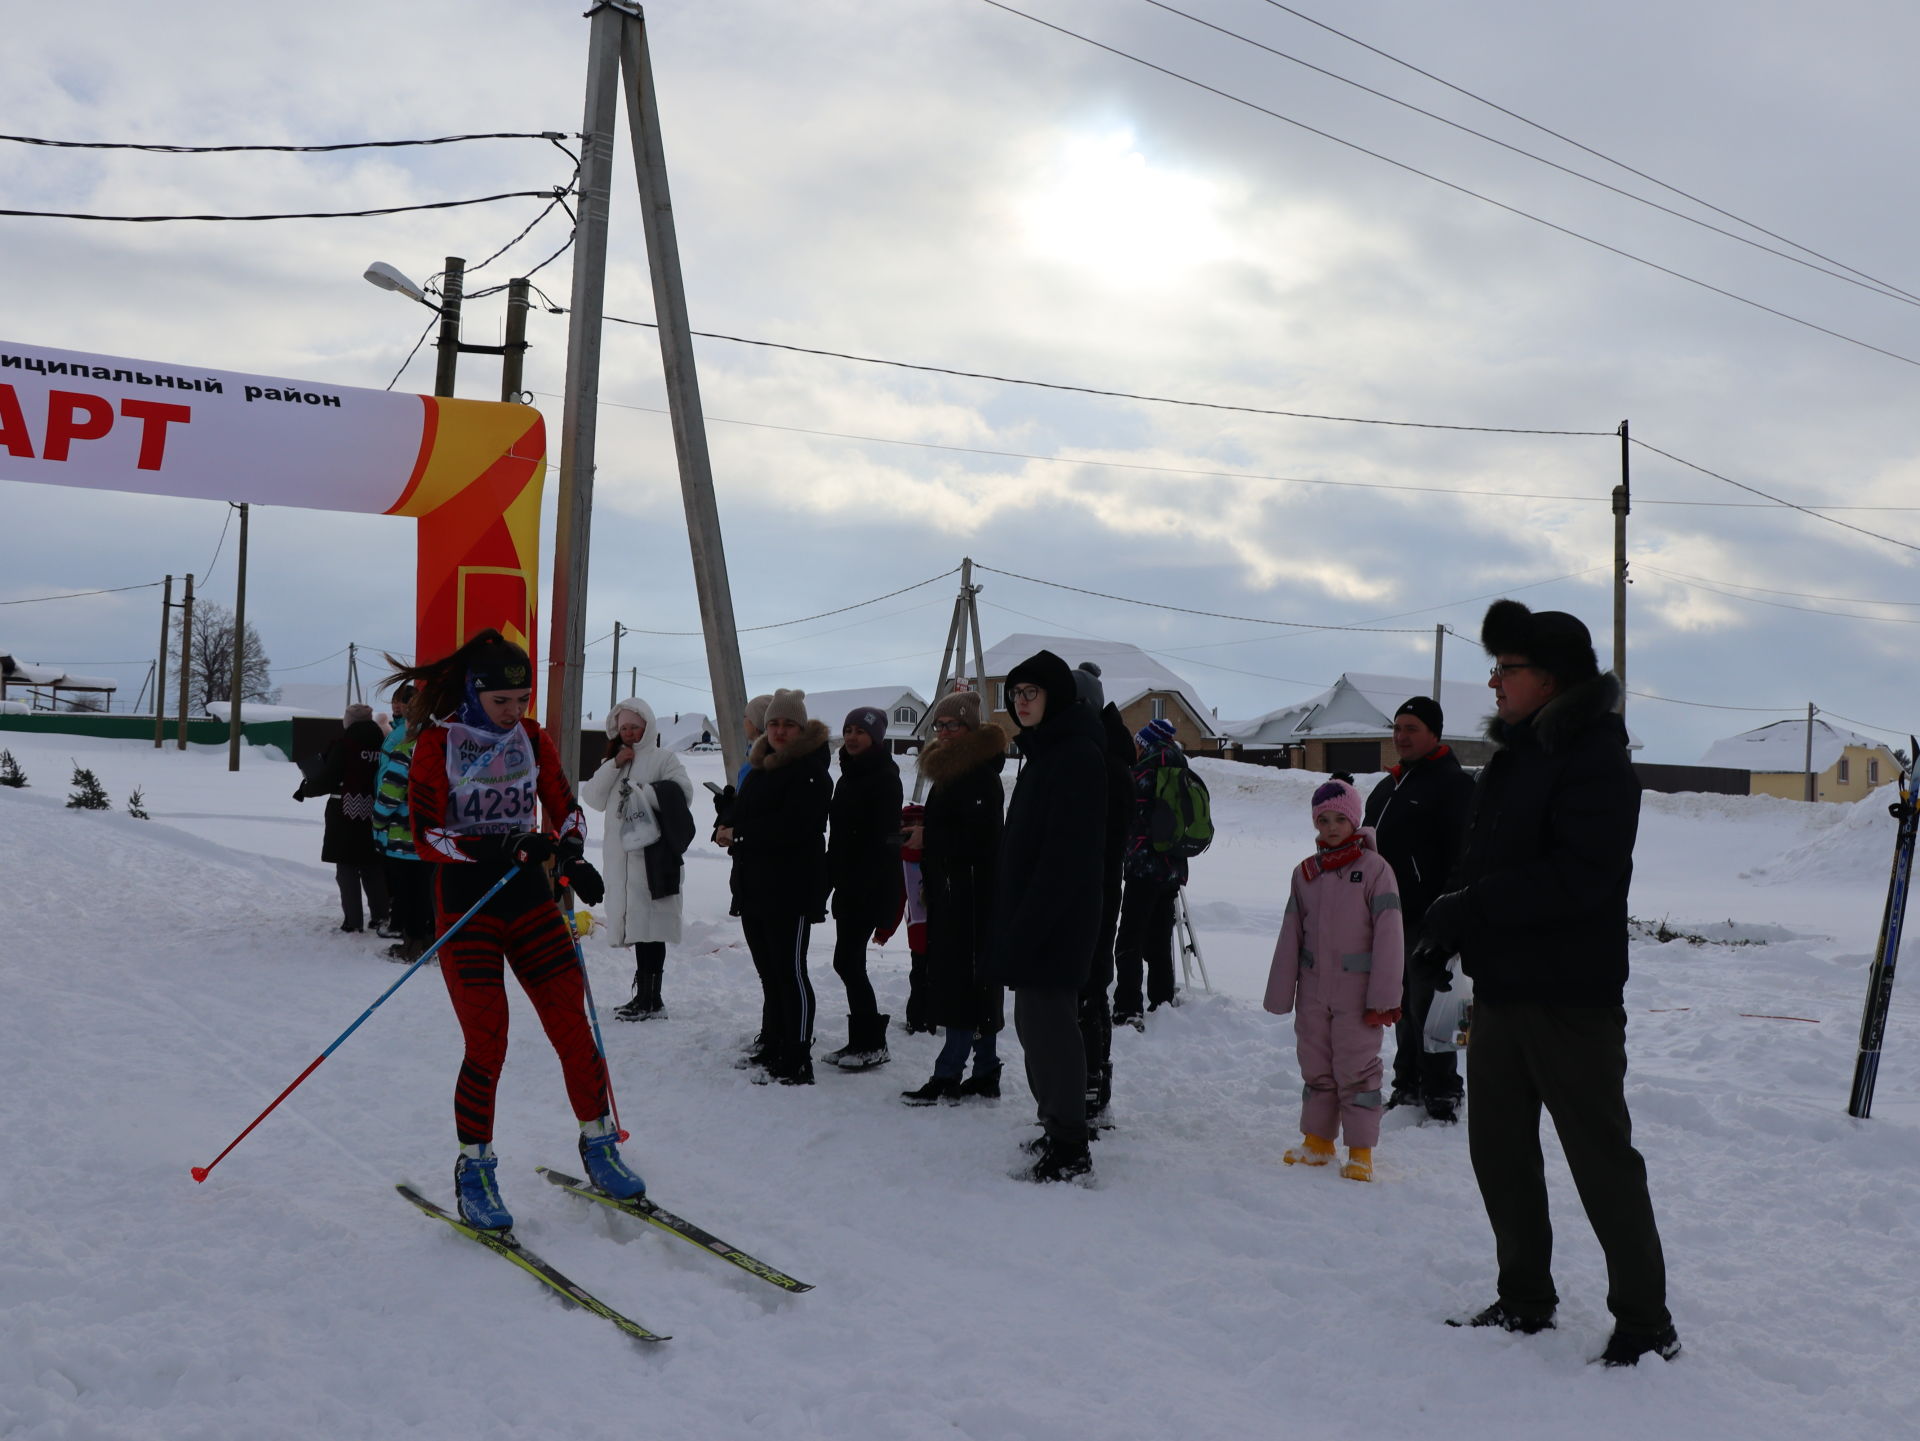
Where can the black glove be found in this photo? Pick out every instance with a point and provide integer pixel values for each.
(1447, 922)
(723, 805)
(585, 881)
(530, 848)
(570, 847)
(300, 793)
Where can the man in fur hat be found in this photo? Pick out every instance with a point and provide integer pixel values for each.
(1537, 911)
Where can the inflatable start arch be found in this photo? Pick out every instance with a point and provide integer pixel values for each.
(469, 471)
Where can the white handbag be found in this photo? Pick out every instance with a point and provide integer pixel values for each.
(639, 827)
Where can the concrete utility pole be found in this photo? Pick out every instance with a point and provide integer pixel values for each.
(613, 676)
(513, 364)
(1812, 791)
(186, 659)
(160, 673)
(1622, 504)
(239, 649)
(1439, 647)
(453, 282)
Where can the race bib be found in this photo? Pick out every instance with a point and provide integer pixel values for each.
(492, 781)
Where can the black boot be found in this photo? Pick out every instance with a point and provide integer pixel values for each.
(1058, 1162)
(982, 1083)
(866, 1045)
(939, 1088)
(789, 1065)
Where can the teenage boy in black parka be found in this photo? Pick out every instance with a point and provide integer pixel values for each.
(863, 862)
(1048, 898)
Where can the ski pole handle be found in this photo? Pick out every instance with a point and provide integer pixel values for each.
(200, 1173)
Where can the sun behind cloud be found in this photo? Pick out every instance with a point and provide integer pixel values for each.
(1099, 204)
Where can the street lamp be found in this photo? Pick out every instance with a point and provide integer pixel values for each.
(452, 286)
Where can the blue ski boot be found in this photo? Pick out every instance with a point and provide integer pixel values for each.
(600, 1154)
(475, 1190)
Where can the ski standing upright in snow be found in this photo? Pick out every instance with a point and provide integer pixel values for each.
(1873, 1020)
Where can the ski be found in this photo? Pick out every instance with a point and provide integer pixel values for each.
(502, 1243)
(654, 1215)
(1873, 1019)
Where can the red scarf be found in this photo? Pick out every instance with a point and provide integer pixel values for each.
(1433, 755)
(1323, 860)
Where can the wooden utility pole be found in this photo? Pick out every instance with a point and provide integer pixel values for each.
(683, 390)
(1812, 792)
(513, 364)
(239, 650)
(1439, 648)
(160, 674)
(1622, 504)
(953, 661)
(453, 282)
(186, 659)
(613, 676)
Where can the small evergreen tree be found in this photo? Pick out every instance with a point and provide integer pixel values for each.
(137, 806)
(10, 772)
(88, 794)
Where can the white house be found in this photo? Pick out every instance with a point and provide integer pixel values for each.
(1845, 764)
(902, 705)
(1139, 685)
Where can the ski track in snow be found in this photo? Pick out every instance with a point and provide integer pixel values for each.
(165, 979)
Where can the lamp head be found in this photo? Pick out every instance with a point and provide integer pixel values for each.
(387, 278)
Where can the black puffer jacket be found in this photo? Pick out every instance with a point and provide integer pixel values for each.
(962, 846)
(863, 861)
(779, 824)
(346, 775)
(1047, 897)
(1549, 855)
(1419, 816)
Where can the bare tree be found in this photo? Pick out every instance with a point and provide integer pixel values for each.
(212, 659)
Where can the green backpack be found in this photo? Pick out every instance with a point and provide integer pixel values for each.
(1182, 822)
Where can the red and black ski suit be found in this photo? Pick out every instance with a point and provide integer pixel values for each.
(470, 790)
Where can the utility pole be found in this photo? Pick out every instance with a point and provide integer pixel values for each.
(1621, 505)
(353, 670)
(683, 390)
(453, 283)
(239, 649)
(513, 364)
(1812, 793)
(613, 676)
(1439, 646)
(186, 658)
(160, 674)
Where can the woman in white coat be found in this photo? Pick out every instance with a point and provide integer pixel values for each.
(629, 787)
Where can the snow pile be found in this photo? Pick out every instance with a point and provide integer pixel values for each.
(165, 979)
(1850, 838)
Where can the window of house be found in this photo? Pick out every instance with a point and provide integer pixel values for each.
(1000, 695)
(906, 715)
(1844, 768)
(1159, 707)
(1873, 772)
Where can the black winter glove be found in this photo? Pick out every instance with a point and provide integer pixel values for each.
(1447, 922)
(570, 847)
(300, 793)
(530, 848)
(723, 805)
(585, 881)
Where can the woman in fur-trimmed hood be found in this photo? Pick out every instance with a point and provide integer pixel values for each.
(776, 832)
(960, 846)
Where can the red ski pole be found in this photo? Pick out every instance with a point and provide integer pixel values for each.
(200, 1173)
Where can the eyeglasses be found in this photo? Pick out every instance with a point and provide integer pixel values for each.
(1502, 671)
(943, 726)
(1025, 693)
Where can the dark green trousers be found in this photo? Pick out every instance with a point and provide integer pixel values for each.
(1573, 1061)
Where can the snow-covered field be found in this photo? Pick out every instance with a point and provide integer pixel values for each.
(163, 980)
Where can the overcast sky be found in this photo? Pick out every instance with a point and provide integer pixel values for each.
(946, 183)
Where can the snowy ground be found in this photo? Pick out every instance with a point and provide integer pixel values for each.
(163, 980)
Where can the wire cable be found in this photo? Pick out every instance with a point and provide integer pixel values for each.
(295, 215)
(1597, 154)
(1785, 605)
(1797, 594)
(207, 574)
(799, 620)
(411, 353)
(76, 594)
(308, 665)
(1452, 185)
(1875, 287)
(1755, 490)
(556, 136)
(1187, 610)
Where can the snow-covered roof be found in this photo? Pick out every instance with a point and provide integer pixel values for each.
(832, 706)
(54, 677)
(678, 731)
(1781, 747)
(255, 710)
(1126, 671)
(1360, 706)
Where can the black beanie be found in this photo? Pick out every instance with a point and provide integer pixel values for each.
(1557, 642)
(499, 664)
(1050, 673)
(1424, 709)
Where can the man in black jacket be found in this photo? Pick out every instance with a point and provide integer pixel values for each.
(1419, 816)
(1047, 898)
(1538, 914)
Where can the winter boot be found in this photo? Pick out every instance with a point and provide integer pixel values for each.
(1359, 1164)
(1403, 1096)
(939, 1088)
(789, 1065)
(600, 1154)
(1498, 1315)
(1058, 1162)
(475, 1191)
(1312, 1151)
(1445, 1110)
(646, 1004)
(756, 1056)
(1626, 1347)
(1099, 1091)
(866, 1044)
(984, 1083)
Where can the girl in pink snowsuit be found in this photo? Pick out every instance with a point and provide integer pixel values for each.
(1337, 966)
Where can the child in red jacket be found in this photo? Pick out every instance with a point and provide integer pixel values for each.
(1337, 966)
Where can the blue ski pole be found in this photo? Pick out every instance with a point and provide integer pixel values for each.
(200, 1173)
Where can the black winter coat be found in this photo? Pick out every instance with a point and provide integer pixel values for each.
(779, 822)
(1119, 756)
(1048, 893)
(863, 854)
(1419, 816)
(962, 824)
(1549, 855)
(345, 774)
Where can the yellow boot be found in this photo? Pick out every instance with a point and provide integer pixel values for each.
(1359, 1165)
(1312, 1151)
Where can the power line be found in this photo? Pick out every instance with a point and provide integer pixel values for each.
(308, 665)
(556, 136)
(1755, 490)
(1884, 730)
(411, 353)
(1186, 610)
(218, 545)
(1875, 287)
(799, 620)
(1798, 594)
(296, 215)
(1597, 154)
(1709, 705)
(1783, 605)
(76, 594)
(1451, 185)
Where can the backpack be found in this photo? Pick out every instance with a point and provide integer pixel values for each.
(1182, 823)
